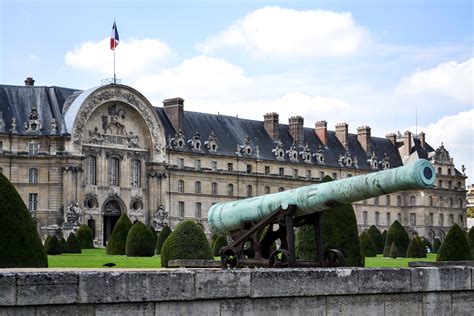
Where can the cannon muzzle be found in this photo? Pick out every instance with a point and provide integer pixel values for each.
(226, 217)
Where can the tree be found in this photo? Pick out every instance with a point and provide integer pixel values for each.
(118, 239)
(421, 247)
(46, 241)
(416, 248)
(393, 253)
(471, 240)
(367, 245)
(454, 246)
(73, 244)
(54, 248)
(85, 236)
(164, 233)
(63, 244)
(140, 241)
(397, 234)
(20, 245)
(221, 241)
(376, 237)
(187, 241)
(436, 245)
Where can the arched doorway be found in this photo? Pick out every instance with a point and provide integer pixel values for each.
(112, 212)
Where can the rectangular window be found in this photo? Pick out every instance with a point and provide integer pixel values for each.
(267, 189)
(364, 214)
(33, 202)
(180, 186)
(197, 164)
(214, 165)
(349, 175)
(230, 166)
(388, 219)
(114, 171)
(430, 219)
(376, 200)
(33, 175)
(308, 174)
(387, 200)
(197, 187)
(440, 184)
(249, 168)
(450, 184)
(136, 173)
(334, 176)
(33, 148)
(451, 219)
(281, 172)
(267, 169)
(181, 209)
(461, 220)
(249, 191)
(399, 200)
(377, 218)
(321, 175)
(399, 217)
(295, 173)
(181, 163)
(198, 210)
(441, 220)
(413, 219)
(214, 188)
(1, 147)
(230, 189)
(91, 163)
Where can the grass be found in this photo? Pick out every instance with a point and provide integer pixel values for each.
(95, 258)
(380, 261)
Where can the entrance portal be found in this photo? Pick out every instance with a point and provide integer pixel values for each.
(112, 212)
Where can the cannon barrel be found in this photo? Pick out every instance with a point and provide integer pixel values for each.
(226, 217)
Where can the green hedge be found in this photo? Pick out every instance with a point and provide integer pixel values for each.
(305, 243)
(118, 240)
(85, 236)
(221, 241)
(54, 247)
(73, 245)
(63, 244)
(367, 245)
(140, 241)
(187, 241)
(164, 233)
(20, 245)
(455, 246)
(376, 237)
(471, 240)
(397, 234)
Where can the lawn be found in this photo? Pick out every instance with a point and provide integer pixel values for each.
(95, 258)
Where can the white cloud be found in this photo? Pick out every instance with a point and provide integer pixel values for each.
(286, 33)
(450, 79)
(132, 57)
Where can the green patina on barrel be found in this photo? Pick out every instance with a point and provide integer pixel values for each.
(226, 217)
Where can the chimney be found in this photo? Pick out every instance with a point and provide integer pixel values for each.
(174, 109)
(363, 136)
(270, 122)
(406, 143)
(29, 81)
(422, 137)
(342, 131)
(392, 137)
(322, 131)
(296, 129)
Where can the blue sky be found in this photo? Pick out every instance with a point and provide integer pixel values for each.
(372, 63)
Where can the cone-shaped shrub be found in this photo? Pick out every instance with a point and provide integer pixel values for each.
(367, 245)
(393, 253)
(73, 245)
(471, 240)
(454, 246)
(63, 244)
(20, 245)
(46, 241)
(376, 237)
(416, 248)
(164, 233)
(221, 241)
(421, 247)
(187, 241)
(427, 243)
(436, 245)
(117, 242)
(384, 237)
(140, 241)
(305, 246)
(397, 234)
(155, 234)
(54, 248)
(85, 237)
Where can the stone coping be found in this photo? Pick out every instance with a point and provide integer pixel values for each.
(23, 287)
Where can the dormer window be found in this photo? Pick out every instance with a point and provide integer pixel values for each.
(195, 141)
(211, 143)
(293, 152)
(319, 155)
(373, 163)
(178, 140)
(306, 154)
(279, 152)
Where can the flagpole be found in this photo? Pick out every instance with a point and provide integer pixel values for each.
(115, 80)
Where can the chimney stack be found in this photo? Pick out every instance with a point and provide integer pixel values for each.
(342, 133)
(363, 136)
(174, 109)
(29, 81)
(392, 137)
(270, 122)
(423, 139)
(296, 129)
(322, 131)
(407, 143)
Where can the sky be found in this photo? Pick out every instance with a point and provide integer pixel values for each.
(391, 65)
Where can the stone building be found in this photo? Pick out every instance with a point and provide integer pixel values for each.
(88, 156)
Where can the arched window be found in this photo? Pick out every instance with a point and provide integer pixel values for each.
(267, 190)
(230, 189)
(281, 189)
(33, 175)
(180, 186)
(214, 188)
(461, 203)
(249, 191)
(439, 171)
(91, 224)
(197, 187)
(91, 167)
(449, 171)
(114, 171)
(136, 173)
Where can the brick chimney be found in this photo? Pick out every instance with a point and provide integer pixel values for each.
(392, 137)
(342, 133)
(174, 109)
(363, 136)
(422, 137)
(322, 131)
(406, 143)
(29, 81)
(270, 122)
(296, 129)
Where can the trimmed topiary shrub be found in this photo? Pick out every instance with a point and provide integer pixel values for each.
(118, 240)
(53, 247)
(85, 236)
(376, 237)
(393, 253)
(416, 248)
(367, 245)
(304, 243)
(63, 244)
(436, 245)
(422, 247)
(454, 246)
(470, 239)
(73, 245)
(46, 241)
(164, 233)
(140, 241)
(396, 233)
(213, 240)
(187, 241)
(221, 241)
(155, 233)
(20, 245)
(384, 237)
(427, 243)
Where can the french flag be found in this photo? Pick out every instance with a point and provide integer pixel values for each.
(114, 38)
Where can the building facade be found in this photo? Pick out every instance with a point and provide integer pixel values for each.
(89, 156)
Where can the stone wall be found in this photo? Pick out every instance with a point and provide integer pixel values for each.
(354, 291)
